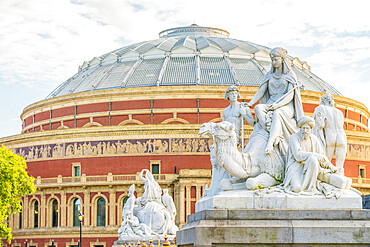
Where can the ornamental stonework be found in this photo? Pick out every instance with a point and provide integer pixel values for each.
(358, 151)
(115, 147)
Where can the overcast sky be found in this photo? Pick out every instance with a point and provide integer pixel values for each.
(42, 42)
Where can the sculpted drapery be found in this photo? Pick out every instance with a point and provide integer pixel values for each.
(280, 104)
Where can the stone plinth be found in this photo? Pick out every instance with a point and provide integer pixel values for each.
(243, 199)
(276, 227)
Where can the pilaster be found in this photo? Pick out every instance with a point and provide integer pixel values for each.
(86, 206)
(112, 206)
(43, 209)
(25, 212)
(198, 195)
(181, 206)
(188, 200)
(63, 208)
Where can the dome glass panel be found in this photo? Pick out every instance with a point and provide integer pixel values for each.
(183, 56)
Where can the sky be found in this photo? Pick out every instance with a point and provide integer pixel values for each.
(42, 42)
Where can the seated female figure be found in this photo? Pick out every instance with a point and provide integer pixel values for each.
(280, 102)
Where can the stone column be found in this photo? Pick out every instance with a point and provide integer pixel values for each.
(43, 209)
(176, 200)
(63, 208)
(188, 200)
(87, 207)
(112, 205)
(198, 195)
(25, 212)
(11, 220)
(181, 207)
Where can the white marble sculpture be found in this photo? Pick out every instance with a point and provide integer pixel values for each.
(236, 113)
(270, 158)
(244, 165)
(130, 227)
(169, 204)
(153, 216)
(280, 104)
(329, 130)
(308, 168)
(218, 172)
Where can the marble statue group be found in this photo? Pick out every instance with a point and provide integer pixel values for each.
(151, 215)
(287, 150)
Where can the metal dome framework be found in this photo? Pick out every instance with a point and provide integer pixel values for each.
(190, 55)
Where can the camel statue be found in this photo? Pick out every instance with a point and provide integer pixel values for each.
(252, 165)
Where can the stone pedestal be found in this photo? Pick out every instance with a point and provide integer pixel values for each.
(239, 218)
(276, 227)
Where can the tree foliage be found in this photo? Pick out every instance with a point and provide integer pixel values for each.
(14, 184)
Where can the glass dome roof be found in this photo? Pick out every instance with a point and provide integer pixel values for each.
(191, 55)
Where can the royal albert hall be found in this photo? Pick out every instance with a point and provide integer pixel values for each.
(141, 106)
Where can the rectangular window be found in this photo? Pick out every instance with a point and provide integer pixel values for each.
(155, 166)
(76, 171)
(362, 173)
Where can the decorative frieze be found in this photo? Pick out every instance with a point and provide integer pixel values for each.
(115, 147)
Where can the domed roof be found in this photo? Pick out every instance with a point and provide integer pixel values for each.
(191, 55)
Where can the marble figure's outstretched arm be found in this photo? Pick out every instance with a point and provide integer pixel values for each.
(141, 175)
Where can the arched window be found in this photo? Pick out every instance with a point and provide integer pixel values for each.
(54, 213)
(100, 212)
(76, 211)
(124, 201)
(20, 218)
(36, 214)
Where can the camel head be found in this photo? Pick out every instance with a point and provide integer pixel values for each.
(217, 129)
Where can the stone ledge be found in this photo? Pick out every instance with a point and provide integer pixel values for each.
(273, 214)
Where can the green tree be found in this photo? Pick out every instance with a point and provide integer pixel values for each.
(14, 184)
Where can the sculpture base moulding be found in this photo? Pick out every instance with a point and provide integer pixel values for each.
(243, 199)
(276, 227)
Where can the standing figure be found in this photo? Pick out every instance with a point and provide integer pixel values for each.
(236, 112)
(329, 130)
(307, 163)
(128, 208)
(280, 104)
(169, 204)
